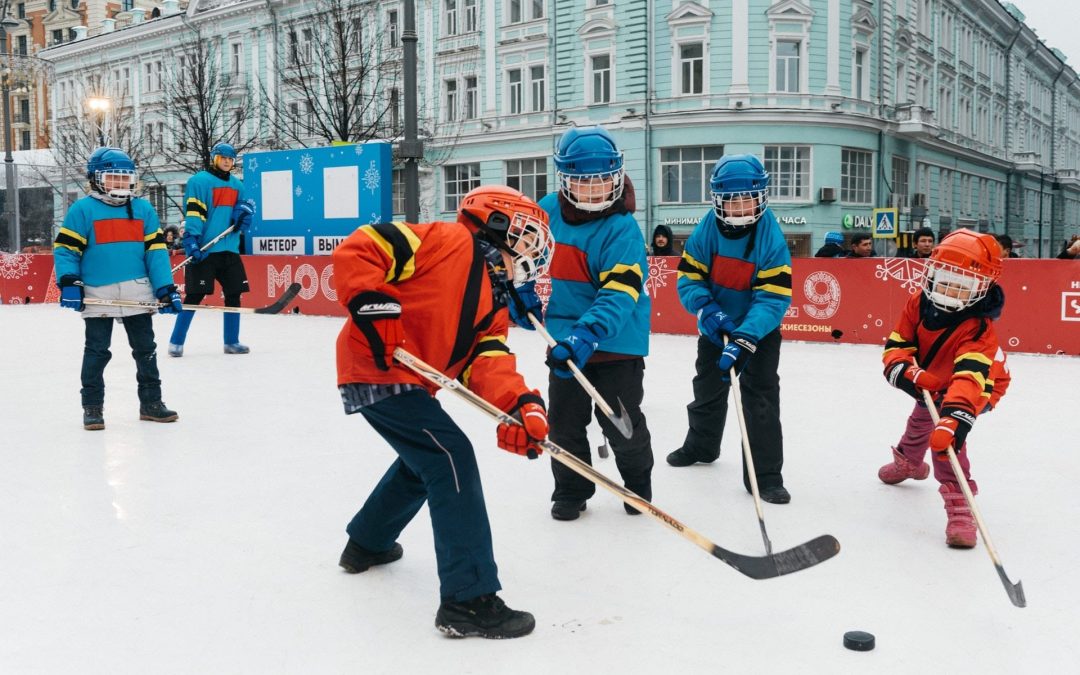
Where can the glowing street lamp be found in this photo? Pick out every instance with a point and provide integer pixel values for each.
(100, 105)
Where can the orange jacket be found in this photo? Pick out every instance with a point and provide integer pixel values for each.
(438, 274)
(970, 359)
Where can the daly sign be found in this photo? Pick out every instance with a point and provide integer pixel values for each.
(309, 199)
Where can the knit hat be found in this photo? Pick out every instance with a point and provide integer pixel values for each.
(834, 238)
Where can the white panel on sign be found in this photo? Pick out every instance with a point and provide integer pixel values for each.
(277, 195)
(341, 192)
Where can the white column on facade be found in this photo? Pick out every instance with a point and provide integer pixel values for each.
(490, 73)
(832, 62)
(740, 47)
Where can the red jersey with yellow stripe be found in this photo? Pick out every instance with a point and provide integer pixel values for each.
(438, 274)
(967, 356)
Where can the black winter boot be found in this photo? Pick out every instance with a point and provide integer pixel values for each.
(93, 418)
(683, 457)
(486, 616)
(567, 510)
(644, 491)
(157, 412)
(355, 558)
(775, 495)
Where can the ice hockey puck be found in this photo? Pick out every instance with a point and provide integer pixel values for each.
(859, 641)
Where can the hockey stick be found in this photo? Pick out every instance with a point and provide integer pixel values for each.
(273, 308)
(756, 567)
(620, 421)
(1014, 591)
(187, 261)
(748, 457)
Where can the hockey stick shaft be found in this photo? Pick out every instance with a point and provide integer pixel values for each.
(786, 562)
(273, 308)
(1014, 591)
(748, 456)
(187, 261)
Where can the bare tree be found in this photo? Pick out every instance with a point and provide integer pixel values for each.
(337, 84)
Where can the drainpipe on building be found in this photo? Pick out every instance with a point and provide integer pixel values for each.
(276, 84)
(649, 35)
(554, 73)
(1053, 148)
(1007, 135)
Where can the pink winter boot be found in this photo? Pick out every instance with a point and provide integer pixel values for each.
(960, 531)
(901, 469)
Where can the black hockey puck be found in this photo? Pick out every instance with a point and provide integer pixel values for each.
(858, 641)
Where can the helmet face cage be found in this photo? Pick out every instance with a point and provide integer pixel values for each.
(951, 288)
(722, 204)
(592, 191)
(530, 240)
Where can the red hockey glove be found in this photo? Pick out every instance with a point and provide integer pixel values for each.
(911, 379)
(952, 429)
(520, 439)
(378, 316)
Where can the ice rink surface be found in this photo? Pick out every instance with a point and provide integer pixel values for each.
(211, 545)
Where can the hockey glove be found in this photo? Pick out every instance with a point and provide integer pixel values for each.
(521, 439)
(735, 355)
(576, 347)
(378, 316)
(714, 324)
(241, 215)
(952, 429)
(191, 247)
(524, 301)
(170, 300)
(911, 379)
(71, 292)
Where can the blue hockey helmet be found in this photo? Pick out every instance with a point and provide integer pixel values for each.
(225, 150)
(737, 178)
(104, 165)
(589, 167)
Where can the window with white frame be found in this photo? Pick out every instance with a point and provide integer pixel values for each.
(458, 180)
(238, 124)
(236, 58)
(856, 176)
(789, 172)
(397, 191)
(600, 78)
(900, 182)
(470, 19)
(395, 109)
(538, 85)
(925, 15)
(152, 71)
(528, 176)
(451, 99)
(514, 90)
(692, 68)
(450, 17)
(158, 196)
(392, 29)
(684, 173)
(294, 119)
(472, 98)
(860, 75)
(300, 46)
(787, 65)
(524, 10)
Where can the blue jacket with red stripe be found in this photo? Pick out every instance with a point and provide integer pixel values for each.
(104, 244)
(208, 205)
(749, 277)
(597, 279)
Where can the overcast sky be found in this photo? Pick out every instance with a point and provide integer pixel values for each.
(1056, 21)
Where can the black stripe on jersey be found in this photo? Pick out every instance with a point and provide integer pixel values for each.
(470, 302)
(972, 366)
(899, 344)
(158, 239)
(403, 251)
(685, 266)
(783, 280)
(194, 205)
(65, 239)
(626, 277)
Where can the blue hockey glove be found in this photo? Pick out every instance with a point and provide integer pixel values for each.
(191, 247)
(576, 347)
(241, 215)
(170, 299)
(714, 323)
(71, 292)
(735, 355)
(524, 301)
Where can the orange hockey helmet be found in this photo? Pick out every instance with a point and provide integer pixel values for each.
(513, 223)
(961, 270)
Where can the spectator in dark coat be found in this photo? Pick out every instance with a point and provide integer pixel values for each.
(662, 241)
(922, 243)
(862, 246)
(1006, 245)
(833, 248)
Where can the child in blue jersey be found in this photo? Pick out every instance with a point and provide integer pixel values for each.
(735, 275)
(110, 247)
(214, 202)
(598, 313)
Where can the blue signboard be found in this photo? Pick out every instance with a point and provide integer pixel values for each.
(310, 199)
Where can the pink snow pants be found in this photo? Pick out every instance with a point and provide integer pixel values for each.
(916, 441)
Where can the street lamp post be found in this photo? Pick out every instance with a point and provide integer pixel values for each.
(100, 105)
(11, 215)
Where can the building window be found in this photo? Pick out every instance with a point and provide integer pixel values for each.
(152, 72)
(450, 26)
(294, 119)
(459, 179)
(397, 190)
(25, 143)
(470, 16)
(392, 28)
(58, 36)
(525, 10)
(395, 110)
(472, 98)
(20, 10)
(684, 173)
(860, 85)
(528, 176)
(787, 66)
(856, 176)
(158, 196)
(21, 45)
(600, 69)
(300, 46)
(537, 82)
(513, 79)
(125, 5)
(900, 182)
(236, 62)
(451, 100)
(789, 168)
(692, 68)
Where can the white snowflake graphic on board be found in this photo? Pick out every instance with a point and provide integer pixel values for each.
(658, 275)
(298, 191)
(374, 218)
(15, 265)
(253, 164)
(372, 179)
(908, 271)
(358, 149)
(307, 163)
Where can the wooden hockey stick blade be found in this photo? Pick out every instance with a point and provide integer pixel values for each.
(288, 296)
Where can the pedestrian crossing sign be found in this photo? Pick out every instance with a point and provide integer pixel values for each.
(885, 223)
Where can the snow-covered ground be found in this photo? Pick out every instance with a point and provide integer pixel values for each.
(211, 545)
